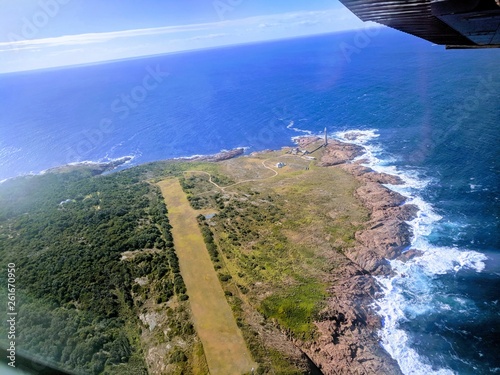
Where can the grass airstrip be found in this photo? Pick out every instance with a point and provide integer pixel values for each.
(223, 343)
(280, 227)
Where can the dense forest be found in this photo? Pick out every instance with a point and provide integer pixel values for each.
(78, 298)
(98, 284)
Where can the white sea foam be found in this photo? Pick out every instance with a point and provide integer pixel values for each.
(31, 173)
(196, 156)
(128, 159)
(245, 148)
(411, 292)
(124, 159)
(298, 130)
(359, 137)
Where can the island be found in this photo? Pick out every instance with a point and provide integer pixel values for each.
(257, 263)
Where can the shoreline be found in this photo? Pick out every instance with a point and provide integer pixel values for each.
(392, 257)
(359, 329)
(99, 168)
(348, 341)
(96, 168)
(352, 336)
(349, 326)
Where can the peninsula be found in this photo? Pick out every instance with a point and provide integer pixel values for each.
(170, 267)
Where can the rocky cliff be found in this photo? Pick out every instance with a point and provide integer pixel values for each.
(348, 326)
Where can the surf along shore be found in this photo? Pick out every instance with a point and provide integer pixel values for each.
(347, 327)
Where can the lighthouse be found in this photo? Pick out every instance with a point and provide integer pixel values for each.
(326, 137)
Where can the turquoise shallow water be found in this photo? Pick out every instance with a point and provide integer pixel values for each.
(431, 116)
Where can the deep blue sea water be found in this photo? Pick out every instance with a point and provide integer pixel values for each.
(429, 115)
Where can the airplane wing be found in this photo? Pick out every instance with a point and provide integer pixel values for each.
(453, 23)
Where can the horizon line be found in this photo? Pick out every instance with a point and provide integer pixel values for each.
(189, 50)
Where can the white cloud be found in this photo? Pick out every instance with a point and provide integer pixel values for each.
(268, 21)
(209, 36)
(91, 38)
(98, 47)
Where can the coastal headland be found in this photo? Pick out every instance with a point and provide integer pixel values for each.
(329, 209)
(292, 240)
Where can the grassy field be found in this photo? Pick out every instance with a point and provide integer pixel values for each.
(223, 343)
(281, 234)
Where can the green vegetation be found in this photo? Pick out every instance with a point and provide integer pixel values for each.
(223, 344)
(78, 302)
(201, 193)
(208, 237)
(296, 308)
(99, 284)
(251, 237)
(270, 241)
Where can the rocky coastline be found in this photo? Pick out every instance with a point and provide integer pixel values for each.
(348, 326)
(96, 168)
(220, 156)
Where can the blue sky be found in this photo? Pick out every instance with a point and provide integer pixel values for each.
(47, 33)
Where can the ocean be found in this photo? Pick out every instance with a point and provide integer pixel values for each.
(429, 115)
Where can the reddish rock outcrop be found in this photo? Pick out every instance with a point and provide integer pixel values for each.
(337, 152)
(348, 326)
(303, 142)
(387, 233)
(368, 175)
